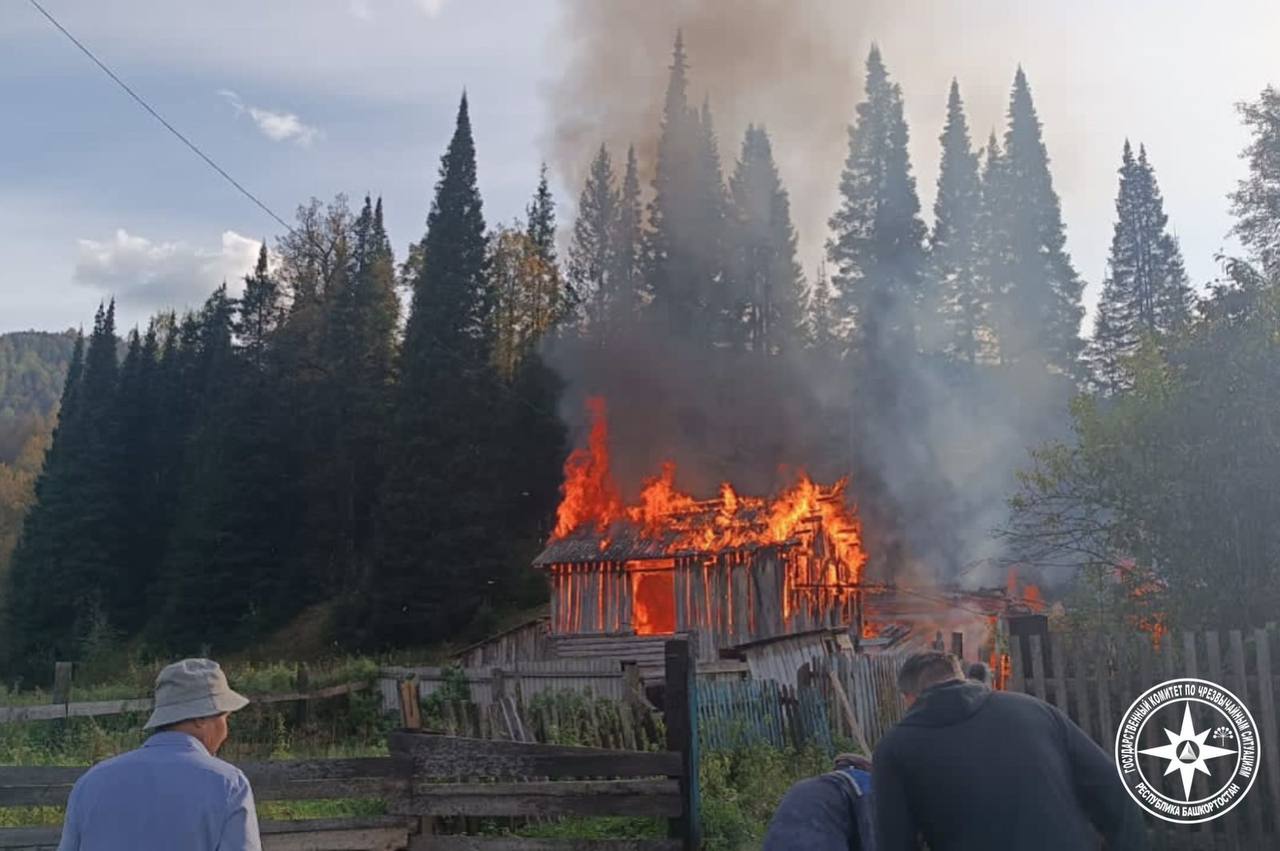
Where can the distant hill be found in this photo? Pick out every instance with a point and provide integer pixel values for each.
(33, 366)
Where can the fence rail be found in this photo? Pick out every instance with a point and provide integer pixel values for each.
(97, 708)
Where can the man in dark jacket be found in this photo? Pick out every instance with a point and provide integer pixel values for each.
(969, 769)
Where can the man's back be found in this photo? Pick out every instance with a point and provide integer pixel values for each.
(168, 794)
(973, 769)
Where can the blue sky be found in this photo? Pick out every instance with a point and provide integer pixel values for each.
(301, 98)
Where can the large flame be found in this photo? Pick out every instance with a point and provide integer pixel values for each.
(590, 499)
(588, 494)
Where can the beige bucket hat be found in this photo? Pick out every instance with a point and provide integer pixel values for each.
(192, 688)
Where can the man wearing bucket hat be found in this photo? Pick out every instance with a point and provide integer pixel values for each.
(173, 792)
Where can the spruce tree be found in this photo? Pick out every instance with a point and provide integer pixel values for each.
(1146, 291)
(822, 333)
(65, 564)
(592, 262)
(628, 246)
(1036, 291)
(877, 245)
(440, 542)
(136, 420)
(547, 299)
(768, 302)
(956, 308)
(686, 216)
(260, 311)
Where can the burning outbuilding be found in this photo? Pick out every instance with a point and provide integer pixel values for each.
(728, 570)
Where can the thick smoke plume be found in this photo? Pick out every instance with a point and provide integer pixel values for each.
(795, 67)
(933, 463)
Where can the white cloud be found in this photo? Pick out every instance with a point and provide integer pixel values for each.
(276, 126)
(431, 7)
(151, 275)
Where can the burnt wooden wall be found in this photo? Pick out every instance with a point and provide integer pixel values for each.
(729, 599)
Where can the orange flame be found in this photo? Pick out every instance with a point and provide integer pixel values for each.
(1028, 594)
(588, 492)
(1144, 586)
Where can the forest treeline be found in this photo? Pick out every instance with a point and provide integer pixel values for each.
(299, 441)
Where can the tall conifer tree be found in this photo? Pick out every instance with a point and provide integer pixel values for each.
(877, 244)
(686, 216)
(957, 302)
(1146, 291)
(440, 541)
(592, 262)
(628, 242)
(768, 301)
(1036, 291)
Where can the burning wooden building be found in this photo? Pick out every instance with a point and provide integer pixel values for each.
(727, 571)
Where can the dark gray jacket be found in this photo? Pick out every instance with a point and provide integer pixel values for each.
(969, 769)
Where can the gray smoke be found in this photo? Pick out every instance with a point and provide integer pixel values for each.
(933, 456)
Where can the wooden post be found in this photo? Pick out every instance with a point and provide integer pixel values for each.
(957, 645)
(847, 708)
(497, 685)
(410, 708)
(61, 682)
(681, 716)
(1270, 752)
(302, 685)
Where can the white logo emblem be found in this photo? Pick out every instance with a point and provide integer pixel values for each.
(1187, 750)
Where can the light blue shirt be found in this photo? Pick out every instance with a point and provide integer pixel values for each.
(170, 794)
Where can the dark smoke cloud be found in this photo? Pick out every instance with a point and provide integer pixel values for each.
(932, 453)
(795, 67)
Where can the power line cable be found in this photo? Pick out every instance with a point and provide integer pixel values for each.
(158, 117)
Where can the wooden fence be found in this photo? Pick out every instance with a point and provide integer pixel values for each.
(743, 713)
(861, 693)
(432, 784)
(1095, 678)
(601, 677)
(98, 708)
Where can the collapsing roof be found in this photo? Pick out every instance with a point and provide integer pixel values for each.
(704, 527)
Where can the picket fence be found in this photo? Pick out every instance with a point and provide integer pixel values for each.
(1095, 678)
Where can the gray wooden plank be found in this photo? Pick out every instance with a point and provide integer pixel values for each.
(1267, 713)
(1213, 657)
(451, 757)
(296, 780)
(1037, 668)
(1251, 805)
(557, 798)
(1080, 670)
(1059, 672)
(518, 843)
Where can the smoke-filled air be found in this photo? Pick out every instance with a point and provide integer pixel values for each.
(755, 290)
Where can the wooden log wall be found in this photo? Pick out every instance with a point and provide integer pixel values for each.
(590, 597)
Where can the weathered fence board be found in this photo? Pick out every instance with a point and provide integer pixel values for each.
(1094, 679)
(444, 757)
(508, 843)
(562, 798)
(379, 833)
(97, 708)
